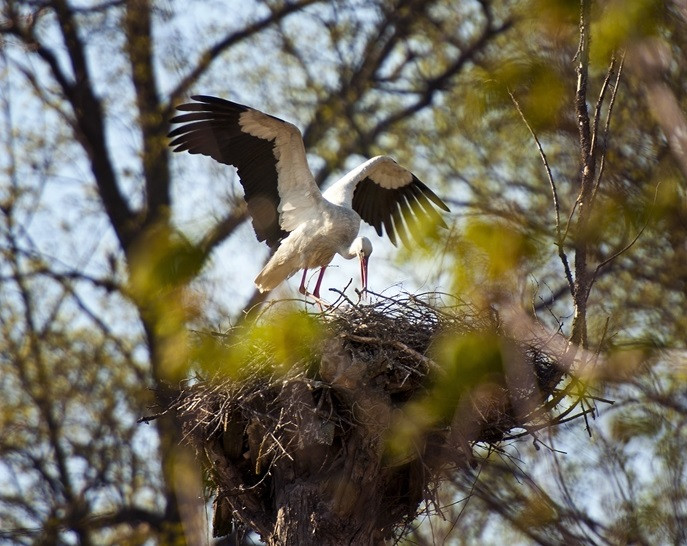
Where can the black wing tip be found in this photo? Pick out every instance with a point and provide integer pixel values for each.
(209, 99)
(208, 103)
(443, 206)
(207, 109)
(391, 236)
(217, 101)
(176, 132)
(429, 193)
(205, 98)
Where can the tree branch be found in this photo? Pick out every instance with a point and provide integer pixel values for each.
(587, 168)
(207, 58)
(607, 126)
(137, 24)
(360, 80)
(357, 80)
(89, 129)
(628, 246)
(223, 229)
(559, 239)
(439, 83)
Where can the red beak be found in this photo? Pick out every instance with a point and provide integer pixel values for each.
(363, 271)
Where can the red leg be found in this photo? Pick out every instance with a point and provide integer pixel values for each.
(316, 293)
(301, 288)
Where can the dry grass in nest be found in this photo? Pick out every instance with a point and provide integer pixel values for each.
(332, 419)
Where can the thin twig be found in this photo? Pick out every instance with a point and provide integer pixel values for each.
(600, 101)
(544, 160)
(398, 345)
(602, 162)
(631, 243)
(559, 239)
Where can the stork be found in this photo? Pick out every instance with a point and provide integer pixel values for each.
(303, 226)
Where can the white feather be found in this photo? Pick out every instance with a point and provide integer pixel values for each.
(298, 193)
(381, 169)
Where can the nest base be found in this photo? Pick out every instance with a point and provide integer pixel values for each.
(310, 456)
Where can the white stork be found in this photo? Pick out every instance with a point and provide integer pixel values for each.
(289, 212)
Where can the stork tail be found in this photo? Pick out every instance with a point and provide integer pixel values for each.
(273, 274)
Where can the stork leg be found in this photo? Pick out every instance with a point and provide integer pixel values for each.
(316, 293)
(301, 288)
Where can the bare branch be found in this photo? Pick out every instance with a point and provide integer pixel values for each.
(600, 101)
(207, 58)
(223, 229)
(559, 240)
(127, 515)
(41, 397)
(587, 168)
(359, 81)
(607, 126)
(89, 127)
(633, 241)
(440, 82)
(99, 8)
(139, 47)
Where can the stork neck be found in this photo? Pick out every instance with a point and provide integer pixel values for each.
(349, 252)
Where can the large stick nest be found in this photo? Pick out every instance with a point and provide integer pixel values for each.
(397, 393)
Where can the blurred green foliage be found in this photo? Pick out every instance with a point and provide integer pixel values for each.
(285, 338)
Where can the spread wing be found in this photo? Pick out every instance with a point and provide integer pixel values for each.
(387, 195)
(267, 152)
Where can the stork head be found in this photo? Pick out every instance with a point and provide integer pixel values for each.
(362, 247)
